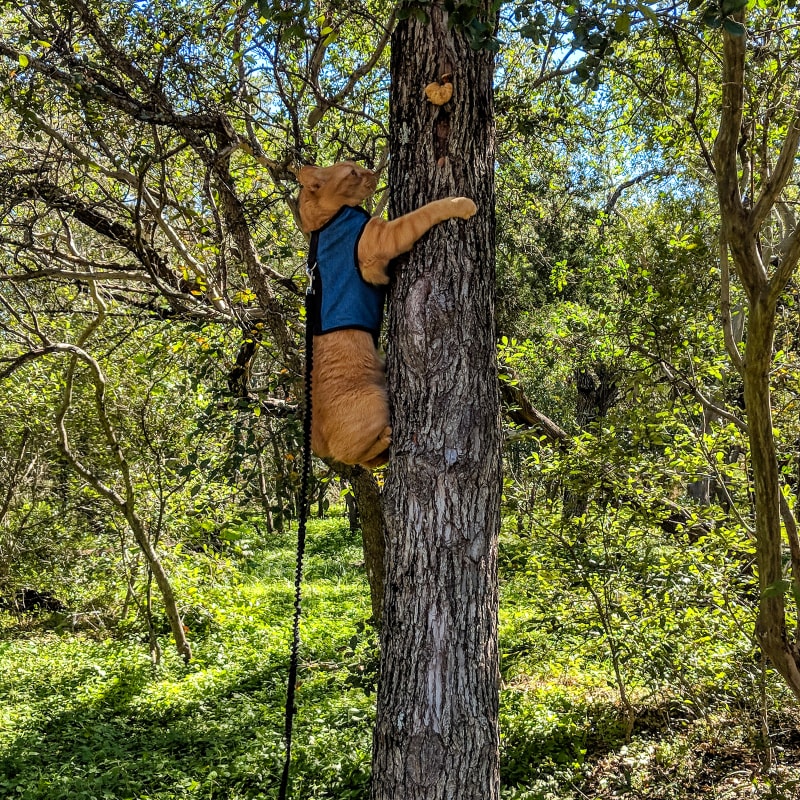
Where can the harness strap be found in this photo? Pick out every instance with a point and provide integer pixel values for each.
(310, 306)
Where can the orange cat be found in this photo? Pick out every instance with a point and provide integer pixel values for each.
(350, 410)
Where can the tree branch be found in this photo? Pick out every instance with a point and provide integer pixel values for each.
(87, 214)
(522, 412)
(725, 306)
(92, 84)
(771, 190)
(735, 222)
(14, 477)
(324, 103)
(118, 275)
(676, 380)
(617, 193)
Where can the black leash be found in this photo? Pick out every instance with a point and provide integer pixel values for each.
(301, 524)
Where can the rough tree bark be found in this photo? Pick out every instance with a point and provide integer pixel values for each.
(436, 732)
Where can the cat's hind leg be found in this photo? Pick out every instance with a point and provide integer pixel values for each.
(378, 454)
(351, 408)
(360, 430)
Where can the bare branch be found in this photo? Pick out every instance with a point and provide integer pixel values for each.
(115, 56)
(691, 117)
(324, 103)
(92, 84)
(617, 193)
(124, 505)
(771, 191)
(113, 230)
(522, 412)
(725, 306)
(14, 477)
(65, 274)
(671, 374)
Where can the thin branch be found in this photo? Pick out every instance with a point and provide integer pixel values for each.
(698, 95)
(87, 214)
(14, 477)
(136, 277)
(92, 84)
(324, 103)
(789, 257)
(617, 193)
(725, 306)
(781, 173)
(671, 374)
(115, 56)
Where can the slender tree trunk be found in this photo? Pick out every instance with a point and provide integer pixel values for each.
(367, 497)
(741, 227)
(164, 585)
(595, 400)
(771, 625)
(436, 733)
(370, 514)
(123, 503)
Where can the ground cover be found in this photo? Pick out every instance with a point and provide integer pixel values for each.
(85, 715)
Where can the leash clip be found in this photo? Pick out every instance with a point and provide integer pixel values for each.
(310, 275)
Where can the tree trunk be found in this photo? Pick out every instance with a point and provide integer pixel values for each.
(367, 497)
(124, 503)
(436, 733)
(741, 228)
(595, 400)
(163, 583)
(704, 489)
(771, 625)
(368, 502)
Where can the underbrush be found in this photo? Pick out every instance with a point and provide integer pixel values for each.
(599, 699)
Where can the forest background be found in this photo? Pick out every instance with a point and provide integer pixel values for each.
(151, 280)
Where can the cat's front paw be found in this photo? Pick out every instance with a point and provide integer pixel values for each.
(464, 207)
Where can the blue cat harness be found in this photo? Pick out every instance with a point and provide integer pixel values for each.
(342, 298)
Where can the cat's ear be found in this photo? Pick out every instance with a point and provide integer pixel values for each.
(311, 178)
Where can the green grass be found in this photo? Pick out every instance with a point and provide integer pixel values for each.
(86, 717)
(82, 718)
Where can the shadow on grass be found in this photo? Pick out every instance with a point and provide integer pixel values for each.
(117, 744)
(686, 750)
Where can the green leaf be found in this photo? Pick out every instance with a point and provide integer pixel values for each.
(777, 589)
(733, 27)
(647, 12)
(23, 60)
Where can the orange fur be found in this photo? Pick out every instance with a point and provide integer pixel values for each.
(350, 408)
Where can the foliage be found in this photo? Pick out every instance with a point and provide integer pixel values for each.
(86, 716)
(147, 154)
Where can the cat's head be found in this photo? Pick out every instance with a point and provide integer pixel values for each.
(326, 189)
